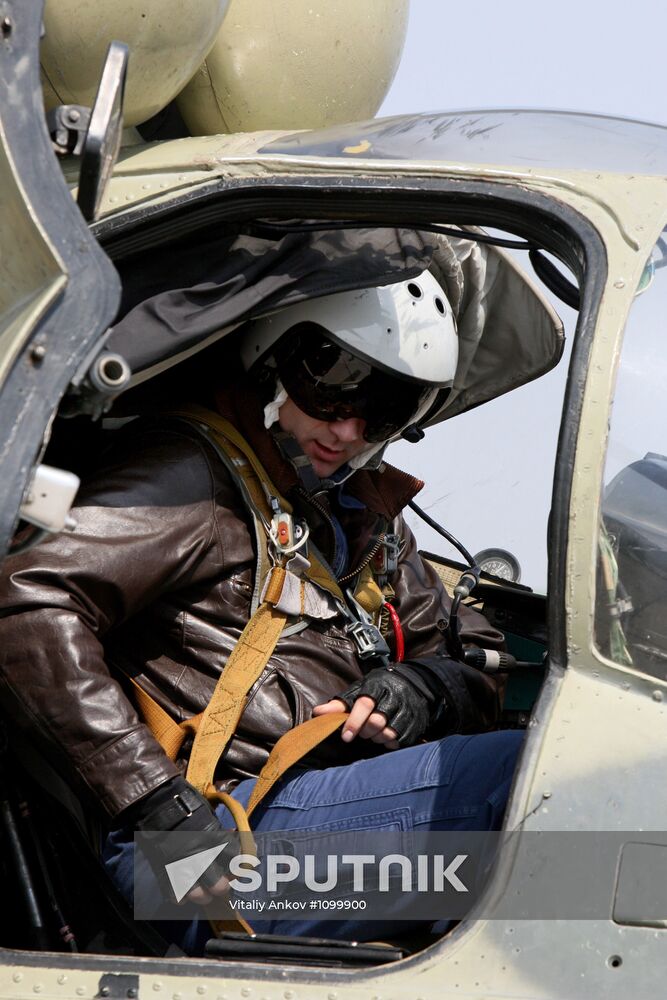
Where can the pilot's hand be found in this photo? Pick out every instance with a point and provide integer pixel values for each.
(363, 721)
(178, 807)
(392, 705)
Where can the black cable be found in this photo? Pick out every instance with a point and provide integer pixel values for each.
(65, 932)
(269, 229)
(554, 279)
(18, 861)
(443, 531)
(456, 646)
(468, 581)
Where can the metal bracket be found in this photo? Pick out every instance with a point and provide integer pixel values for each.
(385, 560)
(49, 499)
(101, 377)
(105, 128)
(368, 639)
(116, 986)
(68, 125)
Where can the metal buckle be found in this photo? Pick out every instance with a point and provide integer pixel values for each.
(367, 639)
(366, 636)
(385, 561)
(180, 801)
(392, 546)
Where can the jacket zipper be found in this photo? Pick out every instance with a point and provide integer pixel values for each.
(369, 555)
(362, 565)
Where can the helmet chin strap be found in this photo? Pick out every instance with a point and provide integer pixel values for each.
(297, 458)
(289, 445)
(370, 458)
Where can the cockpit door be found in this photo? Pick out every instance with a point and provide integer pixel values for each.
(58, 290)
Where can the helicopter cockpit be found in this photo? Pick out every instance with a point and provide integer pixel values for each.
(107, 320)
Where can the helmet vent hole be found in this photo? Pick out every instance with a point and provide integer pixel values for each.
(415, 290)
(426, 347)
(388, 329)
(440, 306)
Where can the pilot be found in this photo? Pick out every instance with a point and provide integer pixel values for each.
(181, 535)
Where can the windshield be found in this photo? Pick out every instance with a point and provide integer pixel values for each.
(489, 473)
(631, 612)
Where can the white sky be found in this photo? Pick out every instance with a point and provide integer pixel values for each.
(584, 55)
(489, 473)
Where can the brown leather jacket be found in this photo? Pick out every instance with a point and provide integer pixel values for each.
(156, 580)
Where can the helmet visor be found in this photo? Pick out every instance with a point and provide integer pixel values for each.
(329, 383)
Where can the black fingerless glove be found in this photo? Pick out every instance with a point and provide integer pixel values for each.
(176, 807)
(410, 696)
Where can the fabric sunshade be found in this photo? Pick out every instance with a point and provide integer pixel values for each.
(178, 301)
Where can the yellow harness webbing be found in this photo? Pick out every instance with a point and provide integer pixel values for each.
(290, 748)
(221, 716)
(256, 486)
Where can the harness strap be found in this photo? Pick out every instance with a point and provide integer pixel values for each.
(214, 727)
(228, 432)
(169, 734)
(245, 665)
(256, 487)
(290, 748)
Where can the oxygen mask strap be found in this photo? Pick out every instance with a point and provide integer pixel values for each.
(293, 452)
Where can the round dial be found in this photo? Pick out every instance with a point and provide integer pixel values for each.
(500, 563)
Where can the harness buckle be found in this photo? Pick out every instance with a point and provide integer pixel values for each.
(385, 560)
(366, 636)
(287, 534)
(368, 639)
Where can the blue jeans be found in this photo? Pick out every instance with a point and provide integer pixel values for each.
(457, 783)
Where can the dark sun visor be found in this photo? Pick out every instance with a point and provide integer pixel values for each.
(329, 383)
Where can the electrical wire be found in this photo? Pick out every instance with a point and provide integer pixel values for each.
(263, 229)
(555, 281)
(466, 584)
(443, 531)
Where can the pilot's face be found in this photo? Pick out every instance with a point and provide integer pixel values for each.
(328, 444)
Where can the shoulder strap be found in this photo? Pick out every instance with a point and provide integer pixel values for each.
(214, 728)
(250, 477)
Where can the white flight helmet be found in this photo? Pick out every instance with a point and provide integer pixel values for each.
(378, 353)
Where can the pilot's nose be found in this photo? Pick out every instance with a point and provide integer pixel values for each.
(350, 430)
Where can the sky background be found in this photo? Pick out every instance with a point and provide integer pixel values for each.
(489, 473)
